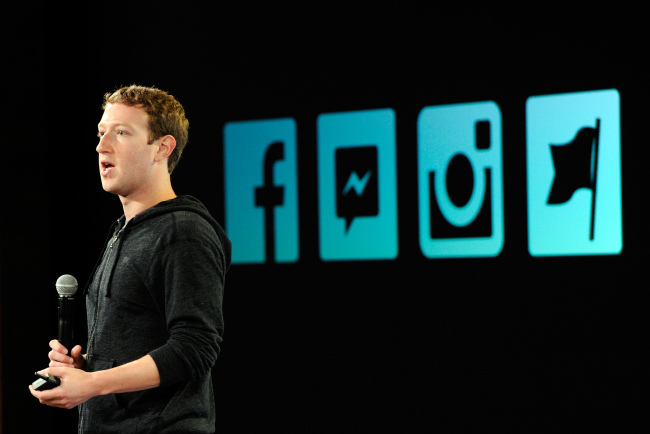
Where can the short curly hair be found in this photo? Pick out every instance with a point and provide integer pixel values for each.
(166, 115)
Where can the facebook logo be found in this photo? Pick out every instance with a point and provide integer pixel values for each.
(460, 180)
(261, 190)
(357, 185)
(573, 149)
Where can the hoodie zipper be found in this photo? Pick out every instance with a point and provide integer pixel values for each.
(105, 262)
(105, 273)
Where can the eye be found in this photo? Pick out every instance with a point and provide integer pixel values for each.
(100, 134)
(121, 132)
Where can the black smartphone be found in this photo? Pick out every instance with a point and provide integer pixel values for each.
(45, 382)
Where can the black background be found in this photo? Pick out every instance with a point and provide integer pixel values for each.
(410, 344)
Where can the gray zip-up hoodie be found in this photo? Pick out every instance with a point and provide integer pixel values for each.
(158, 290)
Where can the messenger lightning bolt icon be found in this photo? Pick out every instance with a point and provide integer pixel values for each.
(356, 184)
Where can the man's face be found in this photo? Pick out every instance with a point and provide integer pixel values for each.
(125, 159)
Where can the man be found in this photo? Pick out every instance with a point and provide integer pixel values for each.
(154, 304)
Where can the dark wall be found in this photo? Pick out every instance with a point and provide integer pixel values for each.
(379, 346)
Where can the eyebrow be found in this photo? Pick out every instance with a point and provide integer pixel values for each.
(115, 124)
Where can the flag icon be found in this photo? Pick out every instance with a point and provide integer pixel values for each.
(576, 166)
(573, 173)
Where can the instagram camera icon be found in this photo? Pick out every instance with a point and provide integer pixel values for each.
(460, 180)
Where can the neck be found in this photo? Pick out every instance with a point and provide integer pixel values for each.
(135, 205)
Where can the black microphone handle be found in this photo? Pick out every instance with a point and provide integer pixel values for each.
(66, 322)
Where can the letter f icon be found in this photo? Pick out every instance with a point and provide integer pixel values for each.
(268, 196)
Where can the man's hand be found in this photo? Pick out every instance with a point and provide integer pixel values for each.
(59, 356)
(76, 387)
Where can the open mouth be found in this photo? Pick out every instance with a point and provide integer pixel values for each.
(106, 167)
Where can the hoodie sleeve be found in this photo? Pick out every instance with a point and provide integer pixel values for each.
(189, 271)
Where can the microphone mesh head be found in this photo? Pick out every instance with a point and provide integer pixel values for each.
(66, 285)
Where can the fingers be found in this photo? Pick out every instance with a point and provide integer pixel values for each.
(56, 346)
(77, 357)
(54, 364)
(58, 359)
(39, 394)
(76, 352)
(57, 371)
(35, 393)
(50, 397)
(59, 355)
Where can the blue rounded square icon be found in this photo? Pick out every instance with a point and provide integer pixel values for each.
(460, 180)
(573, 151)
(261, 190)
(357, 185)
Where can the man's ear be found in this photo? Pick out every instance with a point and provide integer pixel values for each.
(165, 148)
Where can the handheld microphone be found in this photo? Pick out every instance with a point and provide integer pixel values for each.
(66, 286)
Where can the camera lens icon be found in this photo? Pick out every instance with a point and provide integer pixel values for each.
(462, 204)
(460, 181)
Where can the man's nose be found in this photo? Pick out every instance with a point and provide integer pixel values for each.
(103, 146)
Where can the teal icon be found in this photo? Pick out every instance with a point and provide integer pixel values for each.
(460, 180)
(357, 185)
(261, 190)
(573, 149)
